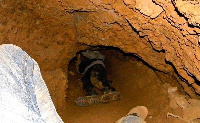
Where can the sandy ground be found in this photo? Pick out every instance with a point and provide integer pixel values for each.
(139, 85)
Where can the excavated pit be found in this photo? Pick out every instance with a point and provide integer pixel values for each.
(157, 31)
(138, 83)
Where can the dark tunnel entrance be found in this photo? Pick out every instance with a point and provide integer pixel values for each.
(139, 84)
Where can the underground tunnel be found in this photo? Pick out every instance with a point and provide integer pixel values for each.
(138, 82)
(151, 48)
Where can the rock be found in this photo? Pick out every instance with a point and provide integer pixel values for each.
(191, 113)
(182, 102)
(176, 99)
(194, 102)
(172, 89)
(189, 9)
(24, 97)
(148, 8)
(173, 95)
(177, 119)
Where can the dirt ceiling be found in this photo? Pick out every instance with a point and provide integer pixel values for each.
(157, 31)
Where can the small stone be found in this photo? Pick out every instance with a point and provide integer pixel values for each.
(172, 89)
(173, 95)
(182, 102)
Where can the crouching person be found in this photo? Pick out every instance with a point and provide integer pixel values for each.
(91, 65)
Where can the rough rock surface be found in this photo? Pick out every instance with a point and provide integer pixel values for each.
(148, 8)
(53, 31)
(24, 97)
(185, 110)
(184, 7)
(56, 83)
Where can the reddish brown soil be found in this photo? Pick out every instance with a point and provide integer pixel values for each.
(138, 84)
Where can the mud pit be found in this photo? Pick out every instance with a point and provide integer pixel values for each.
(139, 85)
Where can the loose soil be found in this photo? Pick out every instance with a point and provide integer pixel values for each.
(139, 85)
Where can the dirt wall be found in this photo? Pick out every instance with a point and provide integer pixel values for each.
(155, 30)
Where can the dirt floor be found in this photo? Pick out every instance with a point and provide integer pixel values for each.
(139, 85)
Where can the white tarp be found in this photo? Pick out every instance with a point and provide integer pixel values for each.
(24, 97)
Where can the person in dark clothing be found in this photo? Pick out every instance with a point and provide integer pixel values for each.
(91, 66)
